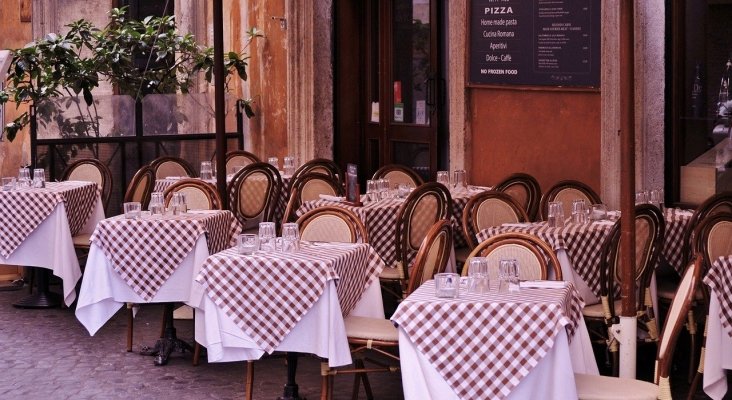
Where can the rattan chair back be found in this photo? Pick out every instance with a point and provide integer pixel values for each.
(91, 170)
(199, 194)
(397, 174)
(141, 186)
(432, 255)
(525, 189)
(319, 165)
(535, 257)
(171, 166)
(253, 193)
(332, 224)
(491, 208)
(566, 192)
(716, 204)
(239, 158)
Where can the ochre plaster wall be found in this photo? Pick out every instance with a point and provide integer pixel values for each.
(552, 135)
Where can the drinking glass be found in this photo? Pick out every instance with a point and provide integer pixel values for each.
(579, 211)
(247, 243)
(598, 212)
(178, 203)
(8, 183)
(157, 204)
(371, 190)
(404, 190)
(508, 280)
(274, 161)
(641, 197)
(24, 179)
(384, 188)
(447, 285)
(478, 273)
(288, 165)
(267, 236)
(459, 179)
(290, 237)
(39, 178)
(555, 215)
(655, 197)
(132, 210)
(206, 171)
(443, 177)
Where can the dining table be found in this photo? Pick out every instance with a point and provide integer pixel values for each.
(718, 354)
(247, 306)
(150, 259)
(37, 226)
(494, 345)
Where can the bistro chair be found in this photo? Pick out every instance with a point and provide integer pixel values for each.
(598, 387)
(485, 209)
(199, 195)
(91, 170)
(171, 166)
(566, 192)
(332, 224)
(309, 187)
(397, 174)
(423, 207)
(320, 165)
(253, 194)
(141, 186)
(649, 227)
(525, 189)
(238, 158)
(716, 204)
(378, 334)
(713, 241)
(535, 257)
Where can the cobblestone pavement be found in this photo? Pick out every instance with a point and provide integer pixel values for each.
(47, 354)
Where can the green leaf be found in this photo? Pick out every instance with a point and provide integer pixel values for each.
(88, 97)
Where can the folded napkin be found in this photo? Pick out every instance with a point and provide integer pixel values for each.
(543, 284)
(173, 177)
(331, 198)
(603, 222)
(613, 213)
(520, 225)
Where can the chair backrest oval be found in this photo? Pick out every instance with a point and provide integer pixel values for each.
(433, 254)
(313, 184)
(141, 186)
(714, 237)
(535, 257)
(525, 189)
(239, 158)
(91, 170)
(167, 166)
(253, 193)
(716, 204)
(566, 192)
(397, 174)
(319, 165)
(199, 194)
(332, 224)
(491, 208)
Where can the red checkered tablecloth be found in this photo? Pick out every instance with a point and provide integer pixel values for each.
(677, 221)
(267, 293)
(483, 345)
(380, 220)
(582, 242)
(22, 210)
(145, 252)
(719, 280)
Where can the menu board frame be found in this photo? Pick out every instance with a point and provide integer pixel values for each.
(535, 80)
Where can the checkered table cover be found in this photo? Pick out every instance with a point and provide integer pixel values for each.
(677, 221)
(380, 220)
(22, 210)
(719, 280)
(267, 293)
(145, 252)
(582, 242)
(483, 345)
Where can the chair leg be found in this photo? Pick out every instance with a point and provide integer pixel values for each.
(162, 326)
(196, 354)
(325, 383)
(130, 321)
(691, 327)
(249, 385)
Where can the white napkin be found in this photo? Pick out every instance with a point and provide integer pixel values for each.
(520, 225)
(603, 222)
(543, 284)
(173, 177)
(613, 213)
(331, 198)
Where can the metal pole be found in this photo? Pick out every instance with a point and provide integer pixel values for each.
(627, 190)
(218, 27)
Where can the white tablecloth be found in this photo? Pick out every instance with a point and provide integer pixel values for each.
(51, 246)
(552, 378)
(321, 331)
(718, 356)
(103, 291)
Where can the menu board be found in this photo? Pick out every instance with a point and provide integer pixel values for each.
(534, 42)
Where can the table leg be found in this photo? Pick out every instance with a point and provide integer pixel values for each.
(169, 342)
(290, 392)
(43, 298)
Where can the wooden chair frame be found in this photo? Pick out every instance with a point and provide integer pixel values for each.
(320, 165)
(469, 220)
(718, 203)
(207, 188)
(386, 169)
(103, 170)
(296, 189)
(530, 185)
(273, 189)
(144, 172)
(543, 252)
(234, 154)
(358, 230)
(552, 193)
(158, 162)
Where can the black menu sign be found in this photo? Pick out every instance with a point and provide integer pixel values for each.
(535, 42)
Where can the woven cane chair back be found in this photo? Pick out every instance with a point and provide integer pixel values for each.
(141, 186)
(525, 190)
(332, 224)
(253, 193)
(171, 166)
(566, 192)
(239, 158)
(199, 195)
(716, 204)
(488, 209)
(535, 257)
(397, 174)
(432, 256)
(319, 165)
(91, 170)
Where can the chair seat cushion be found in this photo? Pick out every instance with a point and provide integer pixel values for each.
(371, 328)
(596, 311)
(596, 387)
(82, 240)
(390, 273)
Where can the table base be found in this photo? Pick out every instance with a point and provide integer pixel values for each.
(168, 344)
(291, 388)
(43, 298)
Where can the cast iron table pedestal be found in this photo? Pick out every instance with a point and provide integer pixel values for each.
(290, 392)
(43, 297)
(169, 342)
